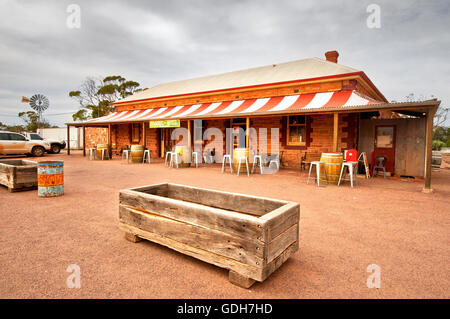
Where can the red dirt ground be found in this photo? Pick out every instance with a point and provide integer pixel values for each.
(390, 223)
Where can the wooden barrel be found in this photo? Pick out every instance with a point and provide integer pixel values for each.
(50, 178)
(237, 153)
(184, 154)
(137, 153)
(333, 163)
(99, 151)
(436, 159)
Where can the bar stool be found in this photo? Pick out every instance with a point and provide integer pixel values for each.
(318, 164)
(227, 157)
(126, 153)
(352, 168)
(105, 151)
(146, 156)
(175, 156)
(257, 159)
(208, 156)
(168, 154)
(240, 159)
(195, 157)
(380, 163)
(92, 153)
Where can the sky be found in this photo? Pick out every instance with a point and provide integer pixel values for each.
(153, 42)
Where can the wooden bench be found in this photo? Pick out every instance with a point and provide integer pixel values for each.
(308, 158)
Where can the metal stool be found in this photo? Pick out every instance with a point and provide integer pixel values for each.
(105, 151)
(352, 168)
(146, 156)
(379, 165)
(92, 153)
(317, 164)
(195, 157)
(240, 159)
(225, 157)
(175, 156)
(276, 161)
(126, 153)
(168, 154)
(257, 159)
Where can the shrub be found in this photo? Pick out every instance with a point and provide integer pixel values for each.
(447, 144)
(437, 145)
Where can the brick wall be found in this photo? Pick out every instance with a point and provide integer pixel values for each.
(320, 136)
(96, 135)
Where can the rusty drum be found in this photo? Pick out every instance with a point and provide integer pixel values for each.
(50, 178)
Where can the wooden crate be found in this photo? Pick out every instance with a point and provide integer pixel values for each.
(18, 175)
(251, 236)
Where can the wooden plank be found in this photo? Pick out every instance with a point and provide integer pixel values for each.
(335, 131)
(213, 241)
(253, 205)
(220, 261)
(240, 280)
(428, 151)
(277, 262)
(281, 242)
(280, 220)
(244, 226)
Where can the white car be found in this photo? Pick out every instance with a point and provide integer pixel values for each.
(55, 146)
(15, 143)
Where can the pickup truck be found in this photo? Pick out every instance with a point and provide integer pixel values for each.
(15, 143)
(55, 146)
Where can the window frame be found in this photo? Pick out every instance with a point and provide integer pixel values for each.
(288, 125)
(133, 138)
(16, 134)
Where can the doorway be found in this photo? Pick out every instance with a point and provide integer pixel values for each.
(384, 145)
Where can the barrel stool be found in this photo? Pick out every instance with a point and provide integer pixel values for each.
(195, 158)
(240, 161)
(126, 154)
(225, 158)
(352, 168)
(318, 164)
(146, 156)
(257, 159)
(167, 161)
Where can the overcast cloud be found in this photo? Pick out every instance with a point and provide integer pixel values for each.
(160, 41)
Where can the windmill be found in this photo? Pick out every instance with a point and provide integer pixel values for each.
(39, 103)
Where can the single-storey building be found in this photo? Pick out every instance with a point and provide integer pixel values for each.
(316, 104)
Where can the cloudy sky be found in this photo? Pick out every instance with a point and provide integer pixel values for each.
(160, 41)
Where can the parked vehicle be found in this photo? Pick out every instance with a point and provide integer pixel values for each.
(55, 146)
(15, 143)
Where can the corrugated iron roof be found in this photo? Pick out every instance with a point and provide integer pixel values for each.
(274, 73)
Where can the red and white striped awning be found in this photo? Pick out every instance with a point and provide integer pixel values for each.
(275, 105)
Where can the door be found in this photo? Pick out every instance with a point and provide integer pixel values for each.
(384, 145)
(166, 141)
(17, 144)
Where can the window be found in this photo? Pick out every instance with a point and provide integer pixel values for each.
(135, 132)
(4, 137)
(198, 131)
(16, 137)
(296, 130)
(36, 137)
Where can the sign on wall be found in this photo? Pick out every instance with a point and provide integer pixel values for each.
(164, 123)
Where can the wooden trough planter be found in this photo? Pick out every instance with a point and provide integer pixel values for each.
(251, 236)
(18, 175)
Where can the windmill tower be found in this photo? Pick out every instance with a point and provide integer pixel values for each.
(39, 103)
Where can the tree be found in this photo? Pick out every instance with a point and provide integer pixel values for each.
(32, 121)
(96, 95)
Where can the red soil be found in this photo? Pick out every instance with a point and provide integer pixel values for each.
(390, 223)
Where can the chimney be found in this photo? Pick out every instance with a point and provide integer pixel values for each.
(332, 56)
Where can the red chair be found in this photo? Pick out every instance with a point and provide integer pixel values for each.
(351, 156)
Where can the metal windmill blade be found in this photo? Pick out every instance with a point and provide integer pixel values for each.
(39, 103)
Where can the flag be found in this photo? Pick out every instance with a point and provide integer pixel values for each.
(25, 99)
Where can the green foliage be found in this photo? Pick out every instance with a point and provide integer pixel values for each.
(447, 144)
(437, 145)
(32, 122)
(12, 128)
(441, 133)
(95, 96)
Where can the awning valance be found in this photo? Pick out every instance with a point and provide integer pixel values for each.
(273, 105)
